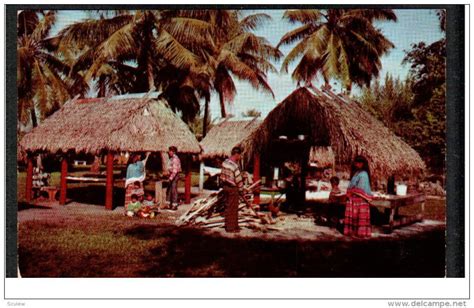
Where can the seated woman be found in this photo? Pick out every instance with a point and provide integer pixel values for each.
(135, 173)
(357, 214)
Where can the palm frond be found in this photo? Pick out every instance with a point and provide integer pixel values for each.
(296, 34)
(252, 22)
(173, 52)
(296, 52)
(302, 16)
(90, 32)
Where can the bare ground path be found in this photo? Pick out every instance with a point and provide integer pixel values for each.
(83, 240)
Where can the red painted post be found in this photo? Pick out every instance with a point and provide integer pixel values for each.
(63, 187)
(256, 177)
(29, 179)
(187, 181)
(109, 184)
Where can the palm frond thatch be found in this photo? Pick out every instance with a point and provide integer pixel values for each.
(222, 137)
(330, 121)
(117, 124)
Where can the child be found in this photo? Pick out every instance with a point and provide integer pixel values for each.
(148, 208)
(334, 211)
(335, 191)
(148, 200)
(134, 206)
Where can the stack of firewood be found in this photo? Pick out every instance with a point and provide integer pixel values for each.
(209, 212)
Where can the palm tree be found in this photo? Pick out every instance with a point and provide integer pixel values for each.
(239, 52)
(41, 82)
(135, 44)
(232, 51)
(342, 44)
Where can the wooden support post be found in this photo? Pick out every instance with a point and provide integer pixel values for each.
(256, 177)
(63, 188)
(109, 183)
(187, 181)
(29, 179)
(201, 176)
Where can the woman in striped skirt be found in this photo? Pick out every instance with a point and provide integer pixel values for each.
(357, 214)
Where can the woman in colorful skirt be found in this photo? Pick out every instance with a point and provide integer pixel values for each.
(135, 174)
(357, 214)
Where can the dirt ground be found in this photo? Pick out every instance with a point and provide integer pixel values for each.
(84, 240)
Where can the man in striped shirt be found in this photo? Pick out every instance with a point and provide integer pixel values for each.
(173, 170)
(232, 184)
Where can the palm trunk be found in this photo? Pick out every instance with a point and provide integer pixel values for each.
(222, 103)
(206, 116)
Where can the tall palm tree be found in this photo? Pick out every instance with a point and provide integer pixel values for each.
(341, 44)
(41, 82)
(135, 43)
(232, 51)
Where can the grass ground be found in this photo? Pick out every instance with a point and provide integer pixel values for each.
(82, 240)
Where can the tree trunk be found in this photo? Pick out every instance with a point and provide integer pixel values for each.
(222, 103)
(206, 116)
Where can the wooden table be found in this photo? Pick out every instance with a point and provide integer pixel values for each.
(391, 205)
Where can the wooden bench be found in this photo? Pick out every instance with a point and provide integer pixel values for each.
(392, 204)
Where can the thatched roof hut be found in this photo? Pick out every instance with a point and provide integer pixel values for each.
(129, 123)
(227, 134)
(330, 120)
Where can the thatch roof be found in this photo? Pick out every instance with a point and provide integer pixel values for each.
(130, 123)
(323, 157)
(229, 133)
(330, 120)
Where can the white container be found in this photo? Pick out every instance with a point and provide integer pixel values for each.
(401, 190)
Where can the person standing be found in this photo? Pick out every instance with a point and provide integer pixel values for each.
(135, 173)
(357, 214)
(173, 171)
(232, 185)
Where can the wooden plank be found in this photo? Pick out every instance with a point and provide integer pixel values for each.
(109, 184)
(256, 178)
(159, 193)
(29, 179)
(63, 188)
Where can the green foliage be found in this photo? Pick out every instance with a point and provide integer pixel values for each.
(251, 113)
(340, 44)
(416, 108)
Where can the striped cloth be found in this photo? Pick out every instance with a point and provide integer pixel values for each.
(130, 190)
(357, 214)
(230, 174)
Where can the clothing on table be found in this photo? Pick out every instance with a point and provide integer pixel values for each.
(174, 167)
(357, 214)
(231, 214)
(231, 175)
(361, 180)
(40, 179)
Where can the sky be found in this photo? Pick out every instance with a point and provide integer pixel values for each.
(412, 26)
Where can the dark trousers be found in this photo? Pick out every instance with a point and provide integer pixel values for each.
(231, 200)
(172, 191)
